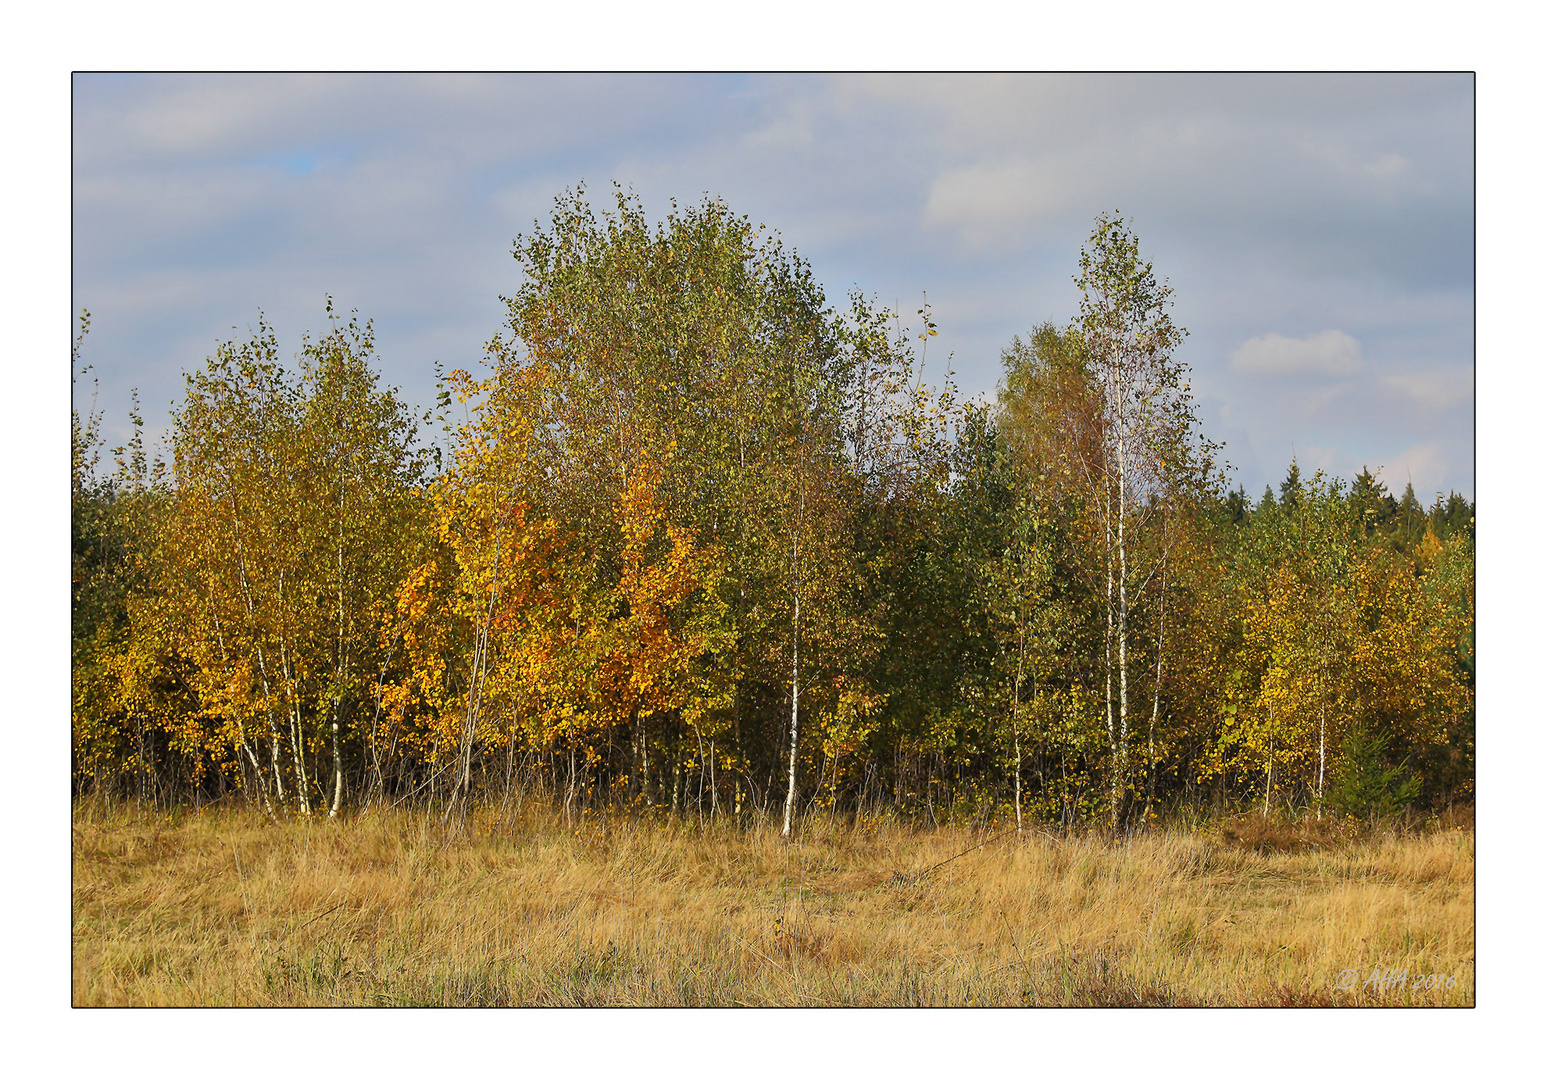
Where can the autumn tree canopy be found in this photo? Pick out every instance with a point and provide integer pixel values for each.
(708, 543)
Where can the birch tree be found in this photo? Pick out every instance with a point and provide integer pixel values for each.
(286, 546)
(1145, 426)
(231, 547)
(365, 532)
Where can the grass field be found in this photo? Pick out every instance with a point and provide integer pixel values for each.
(226, 908)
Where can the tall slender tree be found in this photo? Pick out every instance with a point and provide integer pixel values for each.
(1146, 424)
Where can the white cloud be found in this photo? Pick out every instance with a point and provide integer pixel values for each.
(989, 202)
(1330, 352)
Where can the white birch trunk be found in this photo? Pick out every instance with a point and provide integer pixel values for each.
(339, 663)
(241, 732)
(1017, 777)
(293, 708)
(1267, 795)
(1107, 643)
(1015, 721)
(1160, 647)
(1121, 781)
(268, 709)
(338, 769)
(1154, 718)
(1321, 760)
(789, 800)
(263, 674)
(263, 788)
(475, 689)
(644, 763)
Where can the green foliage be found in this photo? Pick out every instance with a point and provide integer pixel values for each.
(1365, 785)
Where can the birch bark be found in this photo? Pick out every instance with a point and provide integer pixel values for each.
(789, 800)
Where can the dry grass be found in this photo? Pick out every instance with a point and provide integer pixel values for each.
(225, 908)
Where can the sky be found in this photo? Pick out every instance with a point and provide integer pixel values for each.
(1317, 229)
